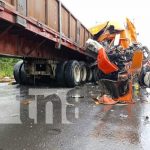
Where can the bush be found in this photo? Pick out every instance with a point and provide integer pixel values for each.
(6, 66)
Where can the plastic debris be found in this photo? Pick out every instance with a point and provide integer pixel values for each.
(106, 100)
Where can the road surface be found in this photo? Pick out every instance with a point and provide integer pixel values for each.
(46, 118)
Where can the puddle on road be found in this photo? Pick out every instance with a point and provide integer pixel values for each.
(126, 123)
(86, 91)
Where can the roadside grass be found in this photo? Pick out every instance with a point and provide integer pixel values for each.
(6, 67)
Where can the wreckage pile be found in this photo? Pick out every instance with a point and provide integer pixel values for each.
(121, 60)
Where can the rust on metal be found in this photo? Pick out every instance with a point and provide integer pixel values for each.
(82, 36)
(73, 29)
(36, 10)
(52, 14)
(40, 22)
(65, 22)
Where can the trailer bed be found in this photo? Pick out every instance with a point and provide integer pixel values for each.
(41, 29)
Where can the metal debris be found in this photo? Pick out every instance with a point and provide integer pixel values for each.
(123, 116)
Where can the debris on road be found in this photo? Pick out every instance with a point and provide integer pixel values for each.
(105, 100)
(26, 102)
(123, 116)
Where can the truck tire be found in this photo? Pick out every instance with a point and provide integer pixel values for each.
(60, 73)
(96, 76)
(72, 73)
(83, 69)
(20, 74)
(23, 76)
(17, 71)
(89, 75)
(25, 79)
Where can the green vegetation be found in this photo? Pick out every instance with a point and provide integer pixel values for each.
(6, 66)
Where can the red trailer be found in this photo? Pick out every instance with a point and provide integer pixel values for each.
(49, 39)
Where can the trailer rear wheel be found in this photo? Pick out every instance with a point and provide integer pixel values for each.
(89, 74)
(60, 73)
(17, 71)
(72, 73)
(23, 76)
(96, 74)
(83, 72)
(20, 74)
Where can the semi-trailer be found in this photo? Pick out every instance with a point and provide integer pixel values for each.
(49, 39)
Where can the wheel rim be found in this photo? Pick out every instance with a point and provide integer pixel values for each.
(77, 73)
(83, 74)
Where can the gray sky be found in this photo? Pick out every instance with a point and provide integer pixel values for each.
(91, 12)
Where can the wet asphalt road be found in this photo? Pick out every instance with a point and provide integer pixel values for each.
(57, 119)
